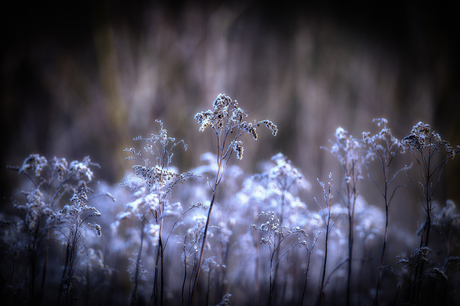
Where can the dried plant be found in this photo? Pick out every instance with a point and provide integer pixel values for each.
(384, 146)
(352, 155)
(425, 144)
(277, 183)
(329, 224)
(70, 221)
(227, 121)
(152, 187)
(43, 220)
(55, 247)
(274, 235)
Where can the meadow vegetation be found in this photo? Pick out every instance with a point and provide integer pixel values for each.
(218, 235)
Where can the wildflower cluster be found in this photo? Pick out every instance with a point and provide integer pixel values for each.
(284, 174)
(350, 152)
(59, 169)
(259, 220)
(277, 187)
(72, 214)
(422, 136)
(272, 227)
(55, 179)
(227, 121)
(392, 144)
(423, 142)
(47, 218)
(152, 187)
(34, 162)
(228, 118)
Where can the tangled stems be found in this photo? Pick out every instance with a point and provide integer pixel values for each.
(352, 156)
(384, 146)
(423, 143)
(53, 179)
(275, 235)
(151, 201)
(227, 122)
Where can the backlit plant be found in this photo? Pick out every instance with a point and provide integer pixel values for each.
(255, 239)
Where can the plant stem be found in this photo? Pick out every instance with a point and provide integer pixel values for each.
(136, 273)
(325, 258)
(385, 164)
(42, 293)
(195, 281)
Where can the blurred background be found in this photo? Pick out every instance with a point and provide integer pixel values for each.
(87, 77)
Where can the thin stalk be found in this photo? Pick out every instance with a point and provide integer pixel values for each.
(221, 158)
(256, 267)
(351, 193)
(185, 272)
(385, 236)
(162, 272)
(277, 253)
(325, 258)
(67, 255)
(270, 293)
(197, 274)
(33, 263)
(136, 273)
(40, 302)
(71, 262)
(426, 175)
(306, 279)
(153, 296)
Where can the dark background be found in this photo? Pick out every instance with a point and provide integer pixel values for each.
(84, 78)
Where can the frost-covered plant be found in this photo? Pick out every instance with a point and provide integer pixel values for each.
(280, 179)
(152, 187)
(227, 121)
(274, 190)
(431, 154)
(51, 180)
(384, 146)
(423, 142)
(352, 155)
(226, 213)
(190, 247)
(71, 221)
(274, 234)
(278, 182)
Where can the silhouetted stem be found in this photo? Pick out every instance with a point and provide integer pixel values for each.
(136, 273)
(325, 258)
(385, 165)
(202, 247)
(42, 293)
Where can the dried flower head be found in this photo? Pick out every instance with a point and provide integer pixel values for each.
(392, 143)
(422, 136)
(285, 175)
(352, 154)
(272, 227)
(157, 175)
(82, 168)
(34, 162)
(228, 118)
